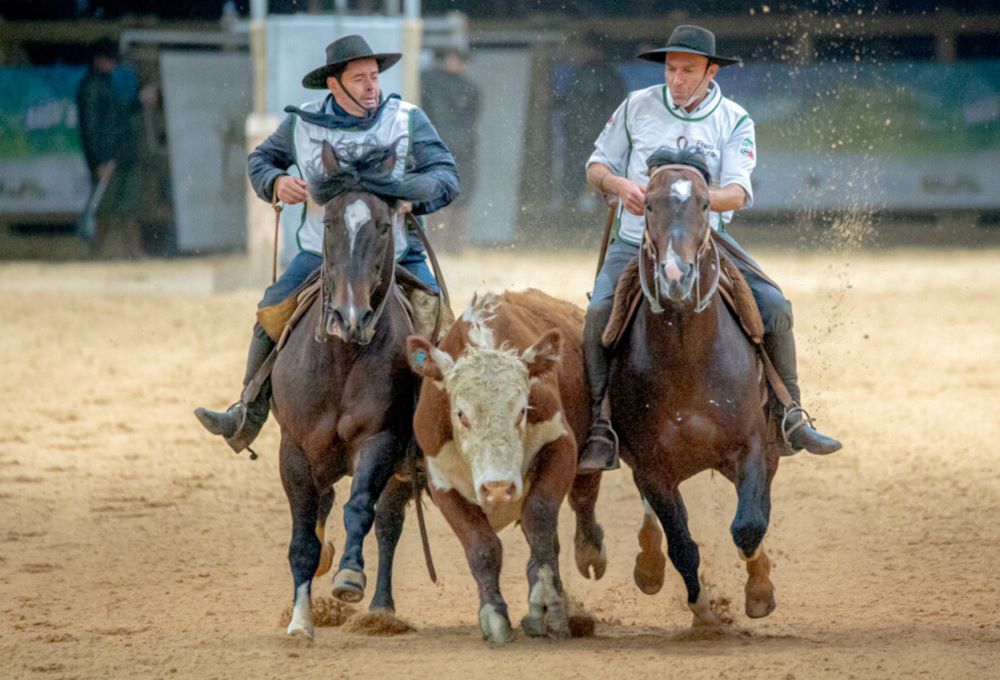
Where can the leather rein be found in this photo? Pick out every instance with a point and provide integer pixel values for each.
(652, 293)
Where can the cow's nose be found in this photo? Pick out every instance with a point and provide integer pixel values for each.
(498, 492)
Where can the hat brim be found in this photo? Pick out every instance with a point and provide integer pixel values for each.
(660, 55)
(316, 79)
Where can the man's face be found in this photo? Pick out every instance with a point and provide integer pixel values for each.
(688, 77)
(360, 79)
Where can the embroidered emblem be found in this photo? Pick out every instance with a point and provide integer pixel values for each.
(746, 147)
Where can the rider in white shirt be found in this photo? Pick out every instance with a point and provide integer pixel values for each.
(689, 106)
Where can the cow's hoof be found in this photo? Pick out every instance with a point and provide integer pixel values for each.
(300, 629)
(349, 586)
(495, 626)
(590, 556)
(759, 607)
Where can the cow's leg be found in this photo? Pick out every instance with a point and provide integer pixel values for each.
(552, 478)
(650, 563)
(305, 548)
(589, 539)
(390, 512)
(485, 556)
(753, 511)
(376, 462)
(327, 550)
(668, 505)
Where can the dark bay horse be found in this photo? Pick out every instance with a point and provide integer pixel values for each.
(685, 390)
(344, 395)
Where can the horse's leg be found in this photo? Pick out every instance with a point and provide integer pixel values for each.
(376, 464)
(485, 555)
(555, 469)
(650, 563)
(390, 512)
(668, 505)
(753, 510)
(305, 548)
(589, 539)
(327, 550)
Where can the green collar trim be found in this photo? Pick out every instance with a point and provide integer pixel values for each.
(715, 92)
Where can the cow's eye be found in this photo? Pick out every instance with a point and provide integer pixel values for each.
(520, 417)
(462, 418)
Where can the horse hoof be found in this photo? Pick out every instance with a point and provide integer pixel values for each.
(649, 572)
(704, 616)
(301, 631)
(349, 586)
(589, 556)
(759, 607)
(325, 559)
(533, 626)
(495, 626)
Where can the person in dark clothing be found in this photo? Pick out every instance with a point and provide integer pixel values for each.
(452, 100)
(355, 119)
(110, 120)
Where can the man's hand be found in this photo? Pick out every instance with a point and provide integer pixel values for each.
(631, 194)
(291, 190)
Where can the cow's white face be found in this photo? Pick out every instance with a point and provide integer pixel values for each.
(488, 393)
(488, 398)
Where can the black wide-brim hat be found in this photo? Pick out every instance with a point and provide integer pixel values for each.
(339, 52)
(692, 40)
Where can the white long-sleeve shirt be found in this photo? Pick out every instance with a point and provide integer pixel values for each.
(647, 120)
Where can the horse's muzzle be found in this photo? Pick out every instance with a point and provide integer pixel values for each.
(353, 324)
(676, 279)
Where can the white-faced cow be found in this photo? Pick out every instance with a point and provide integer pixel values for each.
(502, 406)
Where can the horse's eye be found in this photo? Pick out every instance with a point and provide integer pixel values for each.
(384, 227)
(649, 207)
(704, 204)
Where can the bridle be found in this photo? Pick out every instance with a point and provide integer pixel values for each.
(388, 260)
(648, 250)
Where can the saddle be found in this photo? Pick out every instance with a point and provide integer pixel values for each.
(426, 312)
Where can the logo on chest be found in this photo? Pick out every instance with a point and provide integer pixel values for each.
(708, 150)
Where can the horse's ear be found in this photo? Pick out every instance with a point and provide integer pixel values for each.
(389, 164)
(329, 158)
(544, 355)
(425, 359)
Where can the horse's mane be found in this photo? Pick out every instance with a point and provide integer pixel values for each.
(680, 156)
(364, 174)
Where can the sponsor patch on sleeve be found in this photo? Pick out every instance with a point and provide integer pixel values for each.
(746, 147)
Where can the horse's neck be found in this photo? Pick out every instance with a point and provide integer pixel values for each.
(679, 335)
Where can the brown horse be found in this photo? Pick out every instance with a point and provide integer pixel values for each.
(685, 390)
(344, 395)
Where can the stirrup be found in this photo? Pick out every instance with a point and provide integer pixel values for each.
(605, 435)
(786, 431)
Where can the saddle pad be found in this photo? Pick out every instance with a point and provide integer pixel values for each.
(733, 286)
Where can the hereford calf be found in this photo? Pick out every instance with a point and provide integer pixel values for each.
(501, 408)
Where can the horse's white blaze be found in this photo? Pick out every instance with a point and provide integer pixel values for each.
(302, 622)
(681, 189)
(672, 269)
(356, 215)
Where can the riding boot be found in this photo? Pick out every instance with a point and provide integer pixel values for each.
(797, 426)
(601, 449)
(240, 424)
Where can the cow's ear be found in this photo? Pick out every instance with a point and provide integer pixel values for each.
(425, 359)
(544, 355)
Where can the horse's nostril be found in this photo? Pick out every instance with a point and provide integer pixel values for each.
(366, 317)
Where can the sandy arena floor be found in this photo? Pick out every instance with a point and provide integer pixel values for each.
(133, 544)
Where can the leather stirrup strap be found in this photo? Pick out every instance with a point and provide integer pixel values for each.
(436, 268)
(777, 384)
